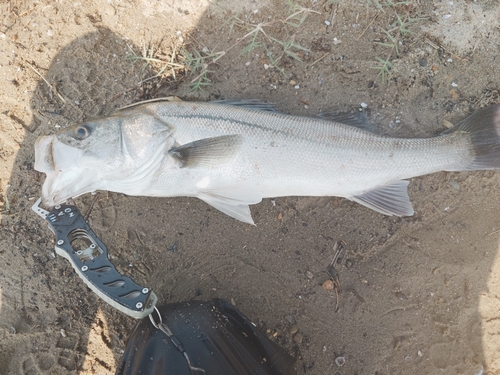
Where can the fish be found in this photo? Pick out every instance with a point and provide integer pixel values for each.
(232, 154)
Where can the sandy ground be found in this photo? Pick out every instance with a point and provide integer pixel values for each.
(419, 294)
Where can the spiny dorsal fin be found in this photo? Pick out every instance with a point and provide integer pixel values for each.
(257, 104)
(208, 151)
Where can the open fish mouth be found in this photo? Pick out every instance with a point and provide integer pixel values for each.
(64, 178)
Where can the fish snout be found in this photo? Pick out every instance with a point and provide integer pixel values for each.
(44, 161)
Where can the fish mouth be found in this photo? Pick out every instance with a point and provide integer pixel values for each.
(64, 178)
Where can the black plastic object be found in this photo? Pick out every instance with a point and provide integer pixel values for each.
(216, 337)
(87, 254)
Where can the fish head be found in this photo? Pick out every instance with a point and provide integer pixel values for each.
(97, 155)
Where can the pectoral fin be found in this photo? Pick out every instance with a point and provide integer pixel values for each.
(207, 152)
(389, 200)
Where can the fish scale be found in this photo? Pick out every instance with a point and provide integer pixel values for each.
(232, 154)
(330, 153)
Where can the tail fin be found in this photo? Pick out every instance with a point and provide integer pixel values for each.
(483, 127)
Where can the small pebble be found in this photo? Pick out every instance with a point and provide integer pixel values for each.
(454, 185)
(179, 36)
(327, 23)
(363, 105)
(296, 87)
(420, 354)
(340, 361)
(293, 83)
(266, 66)
(309, 275)
(454, 84)
(446, 123)
(401, 296)
(298, 338)
(63, 333)
(247, 63)
(328, 285)
(293, 329)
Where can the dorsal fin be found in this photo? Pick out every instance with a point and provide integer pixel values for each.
(257, 104)
(356, 119)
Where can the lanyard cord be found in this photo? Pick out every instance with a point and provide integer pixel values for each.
(166, 330)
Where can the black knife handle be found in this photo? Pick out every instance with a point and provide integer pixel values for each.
(87, 254)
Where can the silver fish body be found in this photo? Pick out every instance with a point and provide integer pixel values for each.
(231, 156)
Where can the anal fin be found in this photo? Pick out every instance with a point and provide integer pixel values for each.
(389, 200)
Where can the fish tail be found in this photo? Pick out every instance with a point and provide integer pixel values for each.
(483, 127)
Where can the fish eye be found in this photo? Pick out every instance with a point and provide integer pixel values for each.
(82, 132)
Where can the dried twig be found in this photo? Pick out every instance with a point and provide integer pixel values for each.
(438, 46)
(318, 60)
(366, 28)
(338, 248)
(47, 82)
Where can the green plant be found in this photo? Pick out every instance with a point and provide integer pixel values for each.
(384, 68)
(380, 4)
(403, 24)
(393, 38)
(149, 57)
(393, 42)
(257, 34)
(197, 62)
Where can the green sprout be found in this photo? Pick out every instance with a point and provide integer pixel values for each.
(384, 68)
